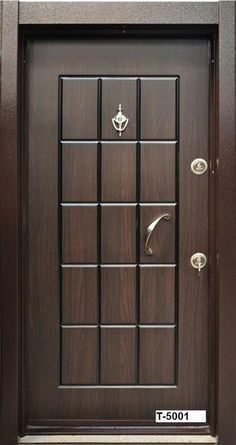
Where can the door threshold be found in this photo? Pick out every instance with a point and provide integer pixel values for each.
(117, 439)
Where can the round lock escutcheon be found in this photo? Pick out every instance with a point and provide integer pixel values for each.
(198, 260)
(199, 166)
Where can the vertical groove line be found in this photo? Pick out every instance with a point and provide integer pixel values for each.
(177, 166)
(99, 166)
(59, 213)
(138, 229)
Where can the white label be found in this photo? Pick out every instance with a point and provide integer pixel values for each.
(178, 416)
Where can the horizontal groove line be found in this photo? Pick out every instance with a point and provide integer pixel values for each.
(117, 265)
(116, 141)
(116, 386)
(117, 204)
(120, 326)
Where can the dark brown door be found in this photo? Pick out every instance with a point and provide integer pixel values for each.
(116, 317)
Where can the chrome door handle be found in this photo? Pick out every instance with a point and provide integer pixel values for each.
(150, 230)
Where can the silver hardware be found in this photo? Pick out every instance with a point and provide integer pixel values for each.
(120, 121)
(198, 261)
(199, 166)
(150, 229)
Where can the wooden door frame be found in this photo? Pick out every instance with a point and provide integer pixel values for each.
(14, 16)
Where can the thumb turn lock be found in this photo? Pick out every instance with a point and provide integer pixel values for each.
(198, 261)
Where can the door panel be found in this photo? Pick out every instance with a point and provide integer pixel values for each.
(157, 172)
(115, 92)
(79, 234)
(113, 331)
(162, 240)
(79, 108)
(118, 355)
(160, 344)
(118, 234)
(158, 108)
(79, 295)
(79, 355)
(157, 294)
(118, 175)
(77, 161)
(118, 295)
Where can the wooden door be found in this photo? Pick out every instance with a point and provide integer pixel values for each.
(112, 332)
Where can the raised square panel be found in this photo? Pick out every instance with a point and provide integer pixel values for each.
(158, 108)
(157, 294)
(162, 240)
(157, 172)
(79, 355)
(79, 295)
(114, 92)
(118, 356)
(118, 234)
(79, 108)
(157, 356)
(119, 172)
(79, 234)
(79, 172)
(118, 295)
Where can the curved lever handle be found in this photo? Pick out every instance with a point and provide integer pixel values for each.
(150, 229)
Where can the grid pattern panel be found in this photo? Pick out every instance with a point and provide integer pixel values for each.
(118, 303)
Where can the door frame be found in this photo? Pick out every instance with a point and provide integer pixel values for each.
(14, 18)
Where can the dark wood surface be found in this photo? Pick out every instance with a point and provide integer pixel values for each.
(226, 215)
(158, 343)
(157, 294)
(162, 241)
(79, 172)
(10, 374)
(79, 234)
(79, 99)
(115, 92)
(118, 234)
(158, 167)
(118, 295)
(118, 355)
(195, 13)
(79, 295)
(116, 228)
(118, 174)
(158, 108)
(79, 355)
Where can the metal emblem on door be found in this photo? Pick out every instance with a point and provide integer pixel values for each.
(120, 121)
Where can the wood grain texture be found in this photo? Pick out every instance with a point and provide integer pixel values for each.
(79, 295)
(108, 408)
(79, 172)
(158, 108)
(79, 108)
(79, 234)
(118, 295)
(115, 92)
(157, 173)
(157, 294)
(118, 355)
(162, 240)
(79, 355)
(118, 172)
(118, 237)
(158, 343)
(10, 373)
(136, 12)
(226, 224)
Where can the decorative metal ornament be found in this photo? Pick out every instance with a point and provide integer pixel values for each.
(199, 166)
(120, 121)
